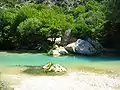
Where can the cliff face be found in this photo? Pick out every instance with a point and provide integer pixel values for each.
(67, 4)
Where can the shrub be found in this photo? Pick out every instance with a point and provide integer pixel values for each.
(89, 20)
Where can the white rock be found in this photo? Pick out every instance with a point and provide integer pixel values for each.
(62, 51)
(70, 47)
(58, 68)
(54, 67)
(47, 66)
(55, 53)
(58, 51)
(58, 40)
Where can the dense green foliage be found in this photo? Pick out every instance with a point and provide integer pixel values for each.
(112, 26)
(89, 20)
(27, 24)
(30, 25)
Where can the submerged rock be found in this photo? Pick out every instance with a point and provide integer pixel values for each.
(54, 67)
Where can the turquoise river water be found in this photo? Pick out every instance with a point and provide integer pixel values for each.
(13, 59)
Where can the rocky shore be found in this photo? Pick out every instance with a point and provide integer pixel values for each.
(73, 81)
(81, 46)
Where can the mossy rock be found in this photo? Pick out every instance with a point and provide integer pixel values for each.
(40, 71)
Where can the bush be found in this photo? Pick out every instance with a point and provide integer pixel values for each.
(31, 34)
(31, 24)
(89, 20)
(7, 17)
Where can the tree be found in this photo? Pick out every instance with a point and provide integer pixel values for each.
(89, 20)
(31, 24)
(112, 26)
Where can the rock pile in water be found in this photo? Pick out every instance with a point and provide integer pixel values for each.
(54, 67)
(81, 46)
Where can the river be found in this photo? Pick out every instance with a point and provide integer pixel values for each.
(88, 73)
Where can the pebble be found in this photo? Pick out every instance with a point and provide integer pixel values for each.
(74, 81)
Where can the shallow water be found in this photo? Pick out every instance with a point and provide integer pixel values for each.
(81, 80)
(14, 59)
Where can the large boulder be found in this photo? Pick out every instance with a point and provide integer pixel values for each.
(95, 44)
(54, 67)
(84, 47)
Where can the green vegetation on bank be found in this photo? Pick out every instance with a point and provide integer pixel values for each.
(28, 24)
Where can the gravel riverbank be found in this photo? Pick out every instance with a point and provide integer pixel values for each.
(72, 81)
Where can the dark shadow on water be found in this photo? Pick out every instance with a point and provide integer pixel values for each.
(98, 58)
(22, 51)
